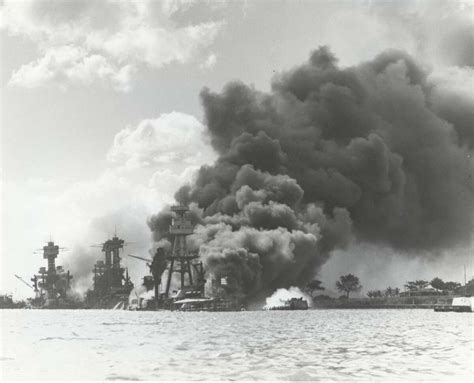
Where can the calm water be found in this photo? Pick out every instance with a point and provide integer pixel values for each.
(311, 345)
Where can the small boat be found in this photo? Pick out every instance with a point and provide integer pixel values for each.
(459, 305)
(291, 304)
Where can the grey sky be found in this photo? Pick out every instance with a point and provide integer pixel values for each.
(80, 80)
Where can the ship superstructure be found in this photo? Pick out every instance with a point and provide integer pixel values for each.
(51, 283)
(180, 259)
(185, 275)
(184, 272)
(111, 283)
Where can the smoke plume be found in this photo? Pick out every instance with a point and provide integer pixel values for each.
(279, 297)
(373, 152)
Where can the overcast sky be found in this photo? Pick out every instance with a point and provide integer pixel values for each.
(100, 114)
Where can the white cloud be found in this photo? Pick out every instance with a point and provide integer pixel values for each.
(166, 181)
(154, 46)
(172, 140)
(82, 42)
(439, 33)
(454, 80)
(210, 62)
(169, 7)
(72, 63)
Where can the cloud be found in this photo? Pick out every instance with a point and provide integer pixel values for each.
(439, 32)
(210, 62)
(173, 140)
(81, 42)
(170, 7)
(74, 64)
(167, 181)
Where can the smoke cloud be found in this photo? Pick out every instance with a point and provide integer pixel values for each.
(279, 297)
(374, 152)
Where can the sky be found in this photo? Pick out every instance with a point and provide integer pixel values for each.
(101, 120)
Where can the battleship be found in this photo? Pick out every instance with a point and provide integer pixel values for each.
(111, 282)
(184, 288)
(189, 294)
(52, 284)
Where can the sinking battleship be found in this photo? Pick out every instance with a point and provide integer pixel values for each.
(189, 295)
(111, 282)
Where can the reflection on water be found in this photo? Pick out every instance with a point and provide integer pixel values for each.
(289, 345)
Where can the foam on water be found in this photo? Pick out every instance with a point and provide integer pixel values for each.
(290, 345)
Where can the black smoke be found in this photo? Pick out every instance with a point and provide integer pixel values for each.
(329, 155)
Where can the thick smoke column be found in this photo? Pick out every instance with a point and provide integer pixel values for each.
(367, 152)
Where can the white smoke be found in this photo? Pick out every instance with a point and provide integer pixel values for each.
(279, 297)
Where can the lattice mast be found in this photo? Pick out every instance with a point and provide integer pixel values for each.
(180, 228)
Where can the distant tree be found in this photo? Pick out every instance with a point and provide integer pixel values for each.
(348, 283)
(391, 292)
(374, 294)
(314, 285)
(451, 286)
(410, 286)
(438, 284)
(416, 285)
(421, 284)
(388, 292)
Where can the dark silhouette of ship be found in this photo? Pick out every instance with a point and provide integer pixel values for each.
(52, 284)
(7, 302)
(189, 295)
(111, 282)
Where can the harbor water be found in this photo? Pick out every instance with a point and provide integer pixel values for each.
(289, 345)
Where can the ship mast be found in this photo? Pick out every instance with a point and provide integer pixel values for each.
(53, 279)
(180, 228)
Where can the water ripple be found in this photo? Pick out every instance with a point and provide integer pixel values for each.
(313, 345)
